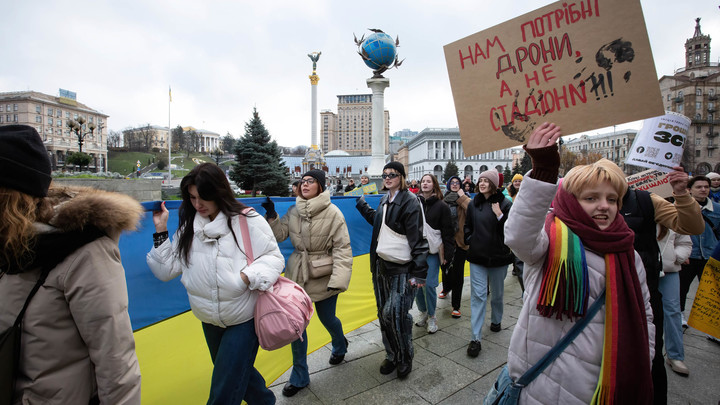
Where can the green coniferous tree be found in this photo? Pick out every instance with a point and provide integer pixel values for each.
(517, 169)
(507, 174)
(451, 169)
(259, 165)
(525, 163)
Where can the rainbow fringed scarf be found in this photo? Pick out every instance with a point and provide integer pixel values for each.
(564, 288)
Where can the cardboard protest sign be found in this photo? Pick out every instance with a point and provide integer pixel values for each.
(659, 144)
(705, 313)
(581, 64)
(653, 181)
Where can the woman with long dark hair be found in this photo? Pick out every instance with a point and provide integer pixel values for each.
(222, 287)
(396, 274)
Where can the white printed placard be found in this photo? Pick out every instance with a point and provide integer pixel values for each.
(659, 144)
(652, 180)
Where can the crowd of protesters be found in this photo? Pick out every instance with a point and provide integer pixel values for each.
(570, 243)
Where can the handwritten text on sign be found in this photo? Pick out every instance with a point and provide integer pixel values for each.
(583, 65)
(705, 314)
(653, 181)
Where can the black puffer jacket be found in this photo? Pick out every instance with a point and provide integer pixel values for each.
(485, 234)
(437, 215)
(403, 217)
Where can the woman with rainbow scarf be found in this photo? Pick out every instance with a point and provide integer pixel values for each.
(571, 255)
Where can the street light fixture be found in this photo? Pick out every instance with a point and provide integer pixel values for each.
(78, 127)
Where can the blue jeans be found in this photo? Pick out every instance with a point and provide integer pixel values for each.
(300, 375)
(234, 378)
(427, 296)
(479, 276)
(669, 287)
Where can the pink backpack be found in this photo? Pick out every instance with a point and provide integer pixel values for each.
(281, 315)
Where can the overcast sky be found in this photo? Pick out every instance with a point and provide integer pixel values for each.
(222, 58)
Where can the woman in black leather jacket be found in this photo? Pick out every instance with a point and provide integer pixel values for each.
(488, 256)
(395, 283)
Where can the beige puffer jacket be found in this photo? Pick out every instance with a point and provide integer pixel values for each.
(318, 231)
(77, 340)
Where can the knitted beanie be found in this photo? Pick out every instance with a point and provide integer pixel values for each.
(517, 176)
(318, 175)
(397, 166)
(492, 175)
(24, 161)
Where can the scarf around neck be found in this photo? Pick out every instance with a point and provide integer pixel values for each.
(564, 290)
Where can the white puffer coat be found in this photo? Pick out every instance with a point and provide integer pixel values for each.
(218, 295)
(675, 249)
(573, 376)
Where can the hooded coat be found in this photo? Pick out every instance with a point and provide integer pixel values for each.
(318, 231)
(77, 341)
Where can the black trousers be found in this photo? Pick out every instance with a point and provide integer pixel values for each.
(687, 275)
(659, 375)
(455, 278)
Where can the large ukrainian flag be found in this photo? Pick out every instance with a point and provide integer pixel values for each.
(174, 360)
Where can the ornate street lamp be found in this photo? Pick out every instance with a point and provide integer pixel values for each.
(217, 154)
(78, 127)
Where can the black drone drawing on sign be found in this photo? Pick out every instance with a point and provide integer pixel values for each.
(608, 56)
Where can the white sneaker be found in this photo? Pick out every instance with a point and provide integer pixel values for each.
(432, 324)
(678, 366)
(422, 319)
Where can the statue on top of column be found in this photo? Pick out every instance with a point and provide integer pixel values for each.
(314, 57)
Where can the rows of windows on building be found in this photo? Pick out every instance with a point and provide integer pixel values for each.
(50, 116)
(51, 120)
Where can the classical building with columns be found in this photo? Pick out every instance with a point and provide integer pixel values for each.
(158, 135)
(613, 146)
(49, 115)
(430, 151)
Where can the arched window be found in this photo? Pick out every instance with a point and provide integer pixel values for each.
(703, 168)
(468, 171)
(438, 172)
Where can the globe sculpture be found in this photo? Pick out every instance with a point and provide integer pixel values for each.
(378, 51)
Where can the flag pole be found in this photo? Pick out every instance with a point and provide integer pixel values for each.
(169, 136)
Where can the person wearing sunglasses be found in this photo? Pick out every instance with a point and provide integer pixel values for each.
(395, 280)
(321, 264)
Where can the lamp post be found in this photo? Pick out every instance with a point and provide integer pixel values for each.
(217, 153)
(78, 127)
